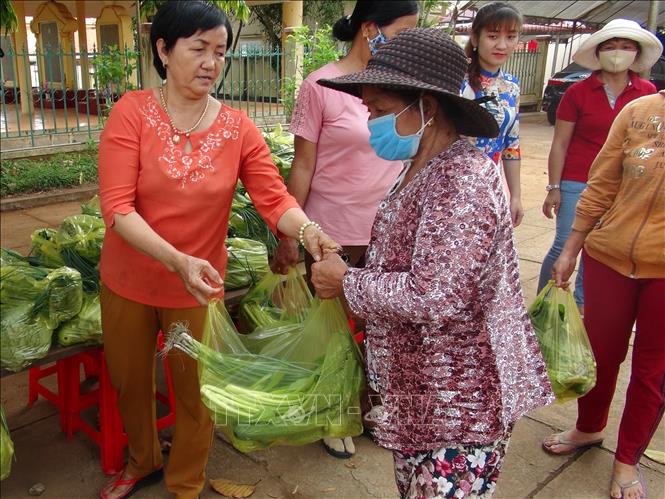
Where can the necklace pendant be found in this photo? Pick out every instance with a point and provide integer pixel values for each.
(176, 138)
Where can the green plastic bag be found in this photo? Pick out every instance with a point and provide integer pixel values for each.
(296, 396)
(34, 301)
(6, 447)
(92, 207)
(85, 327)
(571, 366)
(276, 300)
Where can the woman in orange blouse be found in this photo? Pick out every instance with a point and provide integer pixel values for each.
(169, 161)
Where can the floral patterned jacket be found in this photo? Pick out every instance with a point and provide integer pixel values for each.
(450, 348)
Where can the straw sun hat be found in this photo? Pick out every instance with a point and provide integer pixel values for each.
(423, 59)
(650, 46)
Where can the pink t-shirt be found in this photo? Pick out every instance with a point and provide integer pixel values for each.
(350, 179)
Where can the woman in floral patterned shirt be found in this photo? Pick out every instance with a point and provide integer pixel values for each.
(450, 349)
(494, 36)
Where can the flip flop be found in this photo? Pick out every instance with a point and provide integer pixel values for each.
(639, 481)
(575, 446)
(339, 454)
(136, 483)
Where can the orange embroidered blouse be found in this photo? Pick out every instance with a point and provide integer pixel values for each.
(185, 197)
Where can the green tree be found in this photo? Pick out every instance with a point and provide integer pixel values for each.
(319, 48)
(8, 19)
(269, 16)
(236, 8)
(428, 9)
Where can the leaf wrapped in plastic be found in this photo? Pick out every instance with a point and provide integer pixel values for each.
(247, 263)
(65, 295)
(86, 327)
(275, 300)
(45, 249)
(565, 346)
(6, 447)
(84, 234)
(11, 257)
(34, 301)
(92, 207)
(294, 397)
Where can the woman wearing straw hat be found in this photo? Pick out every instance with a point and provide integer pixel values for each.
(450, 349)
(616, 53)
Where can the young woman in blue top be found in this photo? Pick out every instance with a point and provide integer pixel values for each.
(494, 36)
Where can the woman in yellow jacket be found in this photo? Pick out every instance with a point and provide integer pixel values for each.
(620, 221)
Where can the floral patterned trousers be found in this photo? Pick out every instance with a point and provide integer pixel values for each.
(461, 471)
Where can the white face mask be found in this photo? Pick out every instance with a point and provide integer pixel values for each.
(616, 61)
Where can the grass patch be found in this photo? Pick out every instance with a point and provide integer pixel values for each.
(24, 176)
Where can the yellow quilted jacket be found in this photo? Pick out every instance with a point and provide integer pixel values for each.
(624, 203)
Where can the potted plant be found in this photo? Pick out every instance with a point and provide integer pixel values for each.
(113, 71)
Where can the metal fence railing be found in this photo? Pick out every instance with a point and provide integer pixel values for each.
(73, 91)
(524, 65)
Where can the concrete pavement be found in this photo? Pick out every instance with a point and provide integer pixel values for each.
(70, 469)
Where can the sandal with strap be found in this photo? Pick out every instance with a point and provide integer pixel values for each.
(345, 453)
(135, 484)
(575, 446)
(638, 481)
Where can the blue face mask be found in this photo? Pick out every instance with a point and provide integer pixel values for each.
(375, 42)
(390, 145)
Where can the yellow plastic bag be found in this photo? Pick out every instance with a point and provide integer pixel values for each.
(564, 344)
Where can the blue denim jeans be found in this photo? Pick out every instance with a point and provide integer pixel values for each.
(570, 194)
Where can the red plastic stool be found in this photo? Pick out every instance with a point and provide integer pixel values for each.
(36, 388)
(110, 436)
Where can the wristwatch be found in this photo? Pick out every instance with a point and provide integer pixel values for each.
(551, 187)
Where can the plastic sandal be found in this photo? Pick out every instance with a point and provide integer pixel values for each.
(136, 484)
(632, 483)
(339, 454)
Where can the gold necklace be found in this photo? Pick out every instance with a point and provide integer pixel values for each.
(177, 132)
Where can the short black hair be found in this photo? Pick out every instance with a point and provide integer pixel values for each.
(382, 12)
(181, 19)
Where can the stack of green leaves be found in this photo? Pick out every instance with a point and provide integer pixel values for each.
(292, 397)
(564, 344)
(6, 447)
(246, 222)
(34, 301)
(247, 262)
(282, 149)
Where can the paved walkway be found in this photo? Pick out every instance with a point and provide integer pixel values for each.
(70, 469)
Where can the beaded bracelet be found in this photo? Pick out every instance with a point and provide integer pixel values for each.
(301, 231)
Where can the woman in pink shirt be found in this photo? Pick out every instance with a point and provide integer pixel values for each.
(335, 175)
(169, 161)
